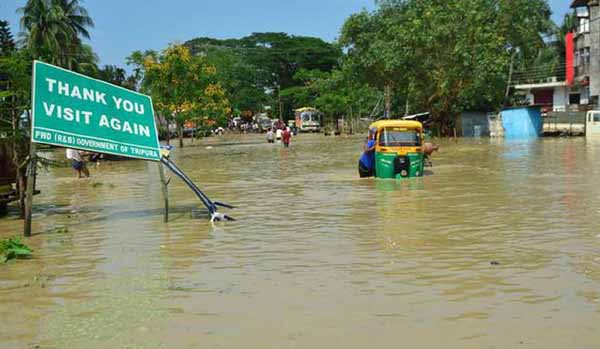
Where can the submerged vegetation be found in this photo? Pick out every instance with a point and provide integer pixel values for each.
(13, 248)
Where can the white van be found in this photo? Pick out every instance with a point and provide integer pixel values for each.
(592, 124)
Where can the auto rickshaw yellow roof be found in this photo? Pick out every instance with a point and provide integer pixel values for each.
(410, 124)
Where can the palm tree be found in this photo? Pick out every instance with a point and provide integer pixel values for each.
(44, 29)
(53, 30)
(76, 16)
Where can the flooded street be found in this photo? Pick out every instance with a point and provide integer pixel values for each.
(499, 248)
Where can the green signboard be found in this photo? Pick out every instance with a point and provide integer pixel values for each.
(74, 111)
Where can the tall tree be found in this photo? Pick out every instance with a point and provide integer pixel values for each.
(53, 29)
(15, 99)
(269, 62)
(7, 43)
(445, 56)
(183, 88)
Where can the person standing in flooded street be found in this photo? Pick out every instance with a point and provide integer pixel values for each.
(77, 163)
(366, 163)
(286, 137)
(270, 136)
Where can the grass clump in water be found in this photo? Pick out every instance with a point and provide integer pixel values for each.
(13, 248)
(61, 230)
(101, 184)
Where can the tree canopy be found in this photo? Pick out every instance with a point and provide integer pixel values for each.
(444, 56)
(256, 68)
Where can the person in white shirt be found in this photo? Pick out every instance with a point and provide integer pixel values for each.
(77, 162)
(270, 136)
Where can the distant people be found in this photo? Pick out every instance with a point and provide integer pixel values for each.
(270, 136)
(279, 125)
(366, 164)
(278, 134)
(286, 136)
(77, 162)
(95, 158)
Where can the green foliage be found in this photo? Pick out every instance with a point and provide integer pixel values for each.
(256, 68)
(183, 87)
(53, 30)
(336, 93)
(444, 56)
(15, 87)
(13, 248)
(117, 76)
(7, 43)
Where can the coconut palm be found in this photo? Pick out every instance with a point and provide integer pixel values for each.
(52, 30)
(44, 30)
(76, 16)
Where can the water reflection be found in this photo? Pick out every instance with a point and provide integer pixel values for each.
(501, 239)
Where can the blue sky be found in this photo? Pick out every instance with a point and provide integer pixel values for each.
(123, 26)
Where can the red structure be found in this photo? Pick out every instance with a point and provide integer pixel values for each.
(569, 48)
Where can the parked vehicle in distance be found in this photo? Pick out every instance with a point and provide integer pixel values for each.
(263, 121)
(308, 119)
(592, 124)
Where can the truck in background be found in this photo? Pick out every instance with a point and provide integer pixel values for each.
(308, 119)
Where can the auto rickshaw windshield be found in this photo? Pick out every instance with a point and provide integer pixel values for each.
(399, 137)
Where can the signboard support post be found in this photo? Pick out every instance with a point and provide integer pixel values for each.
(165, 190)
(31, 173)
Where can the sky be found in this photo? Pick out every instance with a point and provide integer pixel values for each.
(123, 26)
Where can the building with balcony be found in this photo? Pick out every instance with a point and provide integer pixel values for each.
(586, 49)
(574, 86)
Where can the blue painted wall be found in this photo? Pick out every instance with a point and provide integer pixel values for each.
(522, 123)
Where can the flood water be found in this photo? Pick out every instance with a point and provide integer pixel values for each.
(498, 248)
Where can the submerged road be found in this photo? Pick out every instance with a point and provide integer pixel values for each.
(499, 248)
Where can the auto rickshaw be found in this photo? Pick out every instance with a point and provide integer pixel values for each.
(399, 151)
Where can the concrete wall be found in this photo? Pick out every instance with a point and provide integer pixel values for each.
(561, 98)
(474, 124)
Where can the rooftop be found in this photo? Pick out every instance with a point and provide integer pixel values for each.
(542, 85)
(578, 3)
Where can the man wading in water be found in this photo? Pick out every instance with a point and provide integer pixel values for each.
(366, 164)
(77, 162)
(286, 136)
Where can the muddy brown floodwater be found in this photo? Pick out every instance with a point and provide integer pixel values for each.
(499, 248)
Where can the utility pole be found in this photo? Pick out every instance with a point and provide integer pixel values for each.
(407, 106)
(510, 74)
(165, 190)
(31, 173)
(280, 102)
(388, 100)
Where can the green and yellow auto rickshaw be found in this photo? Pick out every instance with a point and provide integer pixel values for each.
(399, 151)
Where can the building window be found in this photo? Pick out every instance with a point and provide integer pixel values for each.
(584, 25)
(585, 96)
